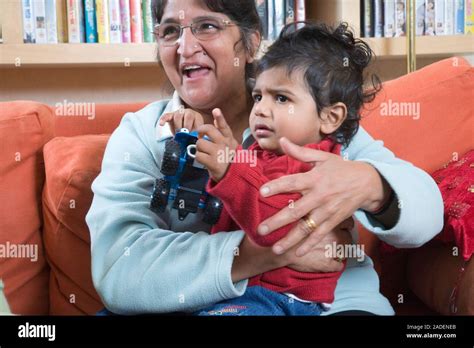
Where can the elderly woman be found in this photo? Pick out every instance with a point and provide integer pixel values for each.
(145, 263)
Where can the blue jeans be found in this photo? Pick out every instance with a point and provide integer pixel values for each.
(260, 301)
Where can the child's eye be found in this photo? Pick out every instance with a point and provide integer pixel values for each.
(281, 98)
(257, 98)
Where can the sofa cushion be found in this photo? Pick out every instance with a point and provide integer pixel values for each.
(442, 93)
(72, 164)
(73, 119)
(24, 128)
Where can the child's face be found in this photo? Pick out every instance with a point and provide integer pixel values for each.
(283, 108)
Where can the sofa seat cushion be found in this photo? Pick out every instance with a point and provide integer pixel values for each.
(72, 164)
(24, 129)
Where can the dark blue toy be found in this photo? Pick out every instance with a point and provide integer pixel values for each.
(184, 181)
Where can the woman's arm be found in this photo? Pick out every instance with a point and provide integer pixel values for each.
(138, 264)
(337, 188)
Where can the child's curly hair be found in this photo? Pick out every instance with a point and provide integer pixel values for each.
(333, 63)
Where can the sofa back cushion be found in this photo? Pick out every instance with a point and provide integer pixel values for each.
(73, 119)
(72, 164)
(426, 117)
(24, 128)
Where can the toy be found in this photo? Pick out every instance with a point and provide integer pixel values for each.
(184, 181)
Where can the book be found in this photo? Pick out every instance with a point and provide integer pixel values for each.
(300, 10)
(39, 10)
(449, 17)
(459, 17)
(389, 18)
(271, 20)
(136, 22)
(430, 23)
(75, 21)
(367, 18)
(51, 22)
(125, 21)
(378, 18)
(300, 6)
(29, 35)
(280, 16)
(420, 17)
(290, 11)
(147, 21)
(61, 20)
(439, 17)
(262, 10)
(400, 18)
(469, 17)
(102, 17)
(90, 21)
(115, 26)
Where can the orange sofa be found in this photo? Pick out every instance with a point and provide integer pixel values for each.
(48, 162)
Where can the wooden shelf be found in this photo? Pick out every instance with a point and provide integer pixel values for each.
(84, 55)
(121, 55)
(425, 46)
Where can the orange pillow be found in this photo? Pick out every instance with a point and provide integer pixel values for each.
(71, 164)
(427, 116)
(24, 128)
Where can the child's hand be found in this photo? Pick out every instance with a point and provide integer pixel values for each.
(212, 153)
(183, 118)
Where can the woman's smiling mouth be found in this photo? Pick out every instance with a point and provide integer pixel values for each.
(194, 71)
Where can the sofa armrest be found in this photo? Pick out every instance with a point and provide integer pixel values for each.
(25, 127)
(435, 271)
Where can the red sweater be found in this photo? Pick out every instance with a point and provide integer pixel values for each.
(245, 209)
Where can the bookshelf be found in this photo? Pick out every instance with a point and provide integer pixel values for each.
(13, 52)
(336, 11)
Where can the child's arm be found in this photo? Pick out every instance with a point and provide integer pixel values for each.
(238, 185)
(239, 190)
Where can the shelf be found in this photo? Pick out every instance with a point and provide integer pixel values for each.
(120, 55)
(69, 55)
(425, 46)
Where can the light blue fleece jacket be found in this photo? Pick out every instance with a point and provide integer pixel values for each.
(140, 264)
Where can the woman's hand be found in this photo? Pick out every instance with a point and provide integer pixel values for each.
(183, 118)
(332, 192)
(252, 259)
(213, 152)
(320, 258)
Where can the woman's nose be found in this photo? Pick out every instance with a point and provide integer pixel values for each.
(188, 45)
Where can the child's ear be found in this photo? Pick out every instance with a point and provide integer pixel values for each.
(332, 117)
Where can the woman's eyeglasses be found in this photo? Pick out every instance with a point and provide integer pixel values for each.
(168, 34)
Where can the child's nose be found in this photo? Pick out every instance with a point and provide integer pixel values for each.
(262, 109)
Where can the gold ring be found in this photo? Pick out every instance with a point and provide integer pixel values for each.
(310, 224)
(339, 259)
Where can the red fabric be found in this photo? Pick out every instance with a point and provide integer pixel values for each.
(244, 208)
(456, 183)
